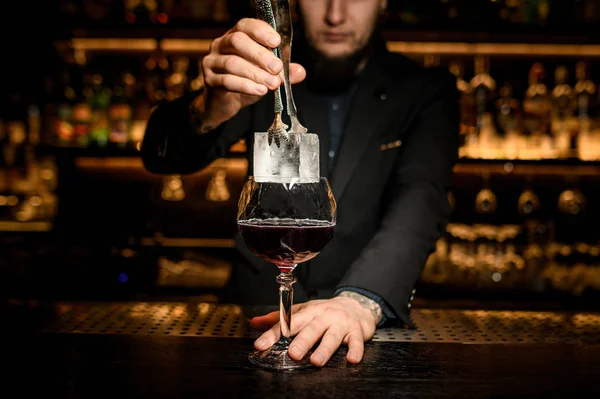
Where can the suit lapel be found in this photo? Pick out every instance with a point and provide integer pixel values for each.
(368, 112)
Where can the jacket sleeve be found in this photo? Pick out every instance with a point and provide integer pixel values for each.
(172, 144)
(416, 204)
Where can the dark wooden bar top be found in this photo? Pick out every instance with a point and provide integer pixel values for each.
(71, 350)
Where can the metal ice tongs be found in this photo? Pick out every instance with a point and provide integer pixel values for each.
(281, 21)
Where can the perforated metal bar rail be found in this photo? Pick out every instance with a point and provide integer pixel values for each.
(434, 325)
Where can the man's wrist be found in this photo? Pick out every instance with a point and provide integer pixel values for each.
(367, 303)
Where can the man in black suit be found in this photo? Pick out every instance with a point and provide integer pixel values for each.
(389, 138)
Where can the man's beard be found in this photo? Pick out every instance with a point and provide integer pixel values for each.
(334, 74)
(325, 74)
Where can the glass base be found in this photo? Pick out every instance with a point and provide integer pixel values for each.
(277, 358)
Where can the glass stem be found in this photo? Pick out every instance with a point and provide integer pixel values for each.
(286, 300)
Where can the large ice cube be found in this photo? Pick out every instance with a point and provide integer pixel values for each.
(295, 160)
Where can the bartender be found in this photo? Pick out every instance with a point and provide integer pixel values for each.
(388, 129)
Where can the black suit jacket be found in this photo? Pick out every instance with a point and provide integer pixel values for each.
(390, 180)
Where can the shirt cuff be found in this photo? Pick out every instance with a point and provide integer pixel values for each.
(386, 312)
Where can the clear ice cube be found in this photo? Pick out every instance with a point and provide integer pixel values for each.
(295, 160)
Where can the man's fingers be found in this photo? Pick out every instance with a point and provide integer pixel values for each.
(259, 30)
(312, 323)
(308, 337)
(356, 347)
(332, 339)
(297, 73)
(235, 84)
(267, 339)
(238, 66)
(240, 44)
(265, 322)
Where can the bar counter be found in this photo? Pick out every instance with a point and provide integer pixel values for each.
(172, 349)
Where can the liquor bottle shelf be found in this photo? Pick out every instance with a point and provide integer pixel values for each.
(16, 226)
(498, 49)
(576, 33)
(183, 242)
(107, 163)
(548, 168)
(189, 45)
(130, 151)
(126, 169)
(78, 151)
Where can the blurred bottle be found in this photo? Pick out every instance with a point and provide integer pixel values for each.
(468, 121)
(156, 73)
(82, 112)
(62, 111)
(100, 124)
(507, 109)
(120, 112)
(15, 142)
(177, 81)
(585, 93)
(484, 87)
(563, 109)
(586, 135)
(489, 141)
(537, 108)
(508, 121)
(142, 107)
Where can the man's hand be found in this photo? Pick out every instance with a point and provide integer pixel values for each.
(239, 70)
(349, 319)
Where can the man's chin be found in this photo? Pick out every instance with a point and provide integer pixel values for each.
(336, 51)
(333, 67)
